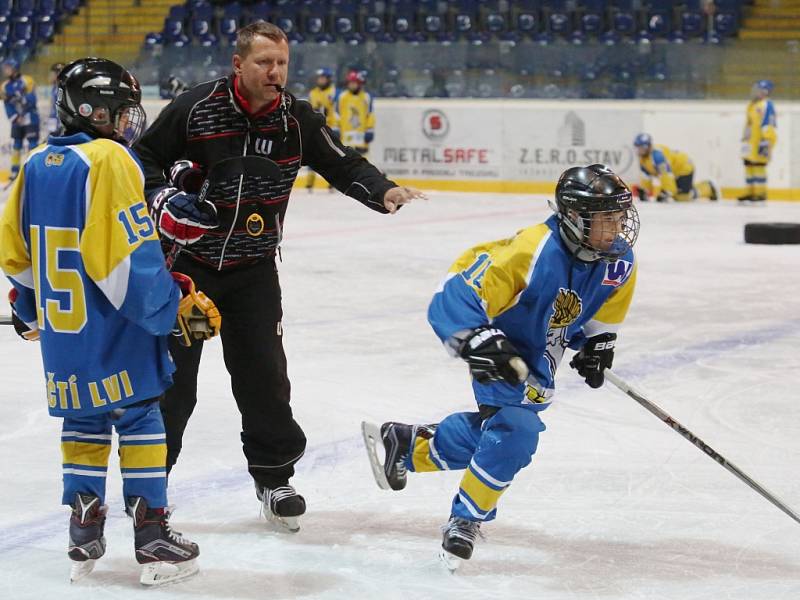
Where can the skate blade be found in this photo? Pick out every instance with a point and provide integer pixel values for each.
(450, 561)
(81, 569)
(162, 573)
(290, 524)
(372, 437)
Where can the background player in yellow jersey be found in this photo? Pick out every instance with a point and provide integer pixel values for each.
(668, 174)
(322, 98)
(758, 139)
(90, 283)
(510, 308)
(354, 110)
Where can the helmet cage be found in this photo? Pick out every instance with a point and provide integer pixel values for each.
(579, 210)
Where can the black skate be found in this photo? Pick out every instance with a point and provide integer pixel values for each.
(282, 505)
(458, 540)
(86, 540)
(165, 554)
(391, 474)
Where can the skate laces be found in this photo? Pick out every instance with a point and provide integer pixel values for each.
(457, 527)
(279, 493)
(175, 536)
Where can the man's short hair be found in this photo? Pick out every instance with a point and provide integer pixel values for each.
(245, 36)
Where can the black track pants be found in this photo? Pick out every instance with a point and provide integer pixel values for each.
(249, 300)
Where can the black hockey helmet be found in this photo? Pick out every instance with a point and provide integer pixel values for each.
(583, 194)
(91, 83)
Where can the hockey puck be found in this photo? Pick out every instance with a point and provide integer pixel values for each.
(772, 233)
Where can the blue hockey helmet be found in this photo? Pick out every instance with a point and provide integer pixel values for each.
(12, 63)
(325, 72)
(765, 85)
(643, 139)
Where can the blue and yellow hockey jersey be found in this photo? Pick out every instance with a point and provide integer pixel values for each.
(19, 100)
(760, 128)
(531, 288)
(77, 243)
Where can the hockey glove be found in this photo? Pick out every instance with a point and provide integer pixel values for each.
(187, 176)
(198, 316)
(369, 135)
(596, 355)
(491, 357)
(180, 217)
(763, 149)
(23, 331)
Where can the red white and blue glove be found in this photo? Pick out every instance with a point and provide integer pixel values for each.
(22, 329)
(181, 217)
(187, 176)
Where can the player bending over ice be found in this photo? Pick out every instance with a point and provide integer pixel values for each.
(510, 308)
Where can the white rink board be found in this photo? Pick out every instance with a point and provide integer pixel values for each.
(531, 140)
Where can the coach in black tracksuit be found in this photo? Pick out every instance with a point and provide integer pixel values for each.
(249, 114)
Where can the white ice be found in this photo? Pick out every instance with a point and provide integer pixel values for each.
(615, 504)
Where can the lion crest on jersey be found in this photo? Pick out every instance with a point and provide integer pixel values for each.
(566, 309)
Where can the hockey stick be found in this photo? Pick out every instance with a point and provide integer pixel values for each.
(5, 320)
(228, 168)
(713, 454)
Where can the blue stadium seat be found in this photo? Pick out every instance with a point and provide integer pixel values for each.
(178, 11)
(526, 17)
(5, 30)
(6, 6)
(47, 8)
(152, 41)
(593, 17)
(70, 6)
(373, 25)
(228, 23)
(726, 17)
(22, 32)
(692, 20)
(24, 8)
(199, 27)
(201, 10)
(260, 10)
(659, 18)
(45, 28)
(558, 17)
(403, 18)
(315, 22)
(623, 17)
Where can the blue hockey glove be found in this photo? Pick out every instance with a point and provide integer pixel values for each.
(596, 356)
(369, 135)
(180, 217)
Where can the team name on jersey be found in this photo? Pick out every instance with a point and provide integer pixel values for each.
(617, 273)
(109, 390)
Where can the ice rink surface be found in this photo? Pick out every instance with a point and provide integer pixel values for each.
(614, 506)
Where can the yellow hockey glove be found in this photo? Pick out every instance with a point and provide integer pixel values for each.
(198, 316)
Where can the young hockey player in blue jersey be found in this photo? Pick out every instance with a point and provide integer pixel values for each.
(19, 98)
(510, 308)
(90, 283)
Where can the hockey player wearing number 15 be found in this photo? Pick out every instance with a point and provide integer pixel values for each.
(90, 283)
(510, 308)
